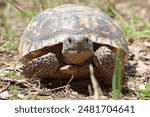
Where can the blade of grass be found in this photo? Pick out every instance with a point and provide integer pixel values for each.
(22, 12)
(14, 91)
(117, 75)
(6, 17)
(42, 2)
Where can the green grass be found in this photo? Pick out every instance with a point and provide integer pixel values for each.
(137, 28)
(11, 75)
(14, 91)
(144, 92)
(10, 42)
(4, 22)
(117, 75)
(134, 28)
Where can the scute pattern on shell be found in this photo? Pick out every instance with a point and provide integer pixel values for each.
(53, 25)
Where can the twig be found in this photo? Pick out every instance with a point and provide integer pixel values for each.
(65, 86)
(72, 77)
(97, 89)
(36, 80)
(22, 81)
(59, 88)
(1, 98)
(5, 88)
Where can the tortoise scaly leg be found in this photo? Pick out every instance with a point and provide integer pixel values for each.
(104, 59)
(41, 67)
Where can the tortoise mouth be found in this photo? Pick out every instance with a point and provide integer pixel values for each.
(76, 56)
(74, 50)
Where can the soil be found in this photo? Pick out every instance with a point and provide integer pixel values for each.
(14, 86)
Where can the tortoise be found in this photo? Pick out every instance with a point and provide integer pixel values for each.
(63, 41)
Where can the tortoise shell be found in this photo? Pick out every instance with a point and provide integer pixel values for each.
(49, 28)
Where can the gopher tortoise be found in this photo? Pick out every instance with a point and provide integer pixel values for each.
(63, 41)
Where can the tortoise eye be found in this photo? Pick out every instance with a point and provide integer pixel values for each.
(69, 40)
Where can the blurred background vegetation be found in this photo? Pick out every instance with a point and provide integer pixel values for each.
(132, 16)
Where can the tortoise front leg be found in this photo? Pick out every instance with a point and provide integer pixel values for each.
(104, 59)
(41, 67)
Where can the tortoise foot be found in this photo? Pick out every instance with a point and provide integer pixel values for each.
(41, 67)
(104, 59)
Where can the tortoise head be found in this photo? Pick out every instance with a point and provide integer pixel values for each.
(77, 49)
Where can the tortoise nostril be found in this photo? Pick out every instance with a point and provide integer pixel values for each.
(86, 39)
(69, 40)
